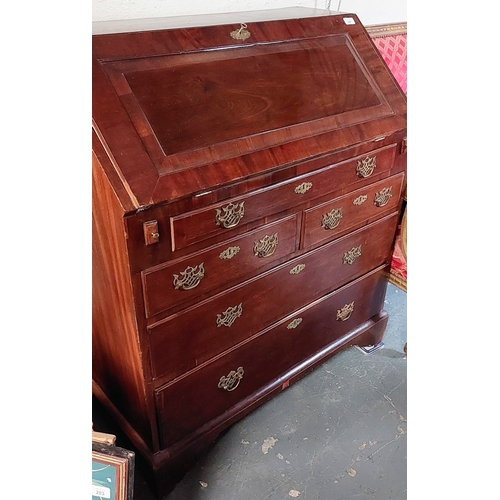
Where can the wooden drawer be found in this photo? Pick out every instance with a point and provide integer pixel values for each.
(328, 219)
(183, 341)
(200, 396)
(198, 225)
(174, 283)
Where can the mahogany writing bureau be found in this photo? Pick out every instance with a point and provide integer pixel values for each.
(247, 179)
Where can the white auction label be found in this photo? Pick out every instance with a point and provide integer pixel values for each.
(349, 20)
(101, 491)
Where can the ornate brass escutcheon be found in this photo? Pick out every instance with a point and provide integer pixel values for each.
(351, 255)
(345, 313)
(295, 323)
(297, 269)
(366, 167)
(229, 253)
(190, 277)
(242, 33)
(266, 246)
(332, 219)
(230, 315)
(303, 188)
(230, 215)
(232, 380)
(383, 197)
(360, 199)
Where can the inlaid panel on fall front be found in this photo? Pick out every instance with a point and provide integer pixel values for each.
(183, 341)
(204, 99)
(228, 379)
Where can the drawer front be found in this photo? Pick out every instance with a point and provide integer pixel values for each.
(171, 284)
(222, 217)
(328, 219)
(200, 396)
(183, 341)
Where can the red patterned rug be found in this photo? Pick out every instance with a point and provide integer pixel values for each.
(392, 48)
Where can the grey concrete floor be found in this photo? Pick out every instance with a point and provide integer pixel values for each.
(337, 434)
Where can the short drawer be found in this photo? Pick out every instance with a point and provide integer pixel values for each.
(182, 341)
(328, 219)
(203, 394)
(198, 225)
(171, 284)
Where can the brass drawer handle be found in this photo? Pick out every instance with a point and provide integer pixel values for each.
(297, 269)
(190, 277)
(383, 197)
(366, 167)
(266, 246)
(345, 313)
(360, 199)
(332, 219)
(230, 315)
(229, 253)
(294, 324)
(230, 215)
(232, 380)
(351, 255)
(303, 188)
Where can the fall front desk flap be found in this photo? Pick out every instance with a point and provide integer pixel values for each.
(230, 101)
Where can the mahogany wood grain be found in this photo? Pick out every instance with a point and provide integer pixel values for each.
(178, 184)
(111, 174)
(113, 126)
(172, 463)
(272, 353)
(186, 121)
(204, 99)
(257, 150)
(355, 207)
(142, 256)
(220, 270)
(201, 224)
(117, 366)
(183, 341)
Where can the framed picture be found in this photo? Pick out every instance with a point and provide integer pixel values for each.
(112, 472)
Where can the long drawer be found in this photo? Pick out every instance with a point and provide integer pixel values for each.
(174, 283)
(198, 225)
(203, 394)
(183, 341)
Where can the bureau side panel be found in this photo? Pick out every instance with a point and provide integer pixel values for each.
(116, 355)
